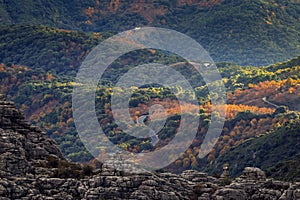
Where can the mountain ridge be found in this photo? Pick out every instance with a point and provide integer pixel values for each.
(247, 32)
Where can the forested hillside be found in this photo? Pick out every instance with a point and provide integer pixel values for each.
(43, 90)
(276, 152)
(246, 32)
(43, 44)
(52, 49)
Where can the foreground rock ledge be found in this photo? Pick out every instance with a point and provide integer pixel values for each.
(31, 164)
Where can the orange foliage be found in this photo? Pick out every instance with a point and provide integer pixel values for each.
(172, 107)
(276, 91)
(233, 110)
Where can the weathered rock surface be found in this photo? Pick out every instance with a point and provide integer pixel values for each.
(32, 167)
(22, 146)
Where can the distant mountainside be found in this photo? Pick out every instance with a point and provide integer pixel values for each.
(52, 49)
(44, 90)
(246, 32)
(272, 86)
(43, 43)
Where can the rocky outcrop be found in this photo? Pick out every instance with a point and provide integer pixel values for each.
(32, 167)
(22, 147)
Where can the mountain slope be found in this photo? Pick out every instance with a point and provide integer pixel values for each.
(52, 49)
(45, 98)
(286, 170)
(43, 89)
(273, 152)
(35, 12)
(247, 32)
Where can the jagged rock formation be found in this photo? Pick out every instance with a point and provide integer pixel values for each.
(22, 147)
(32, 167)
